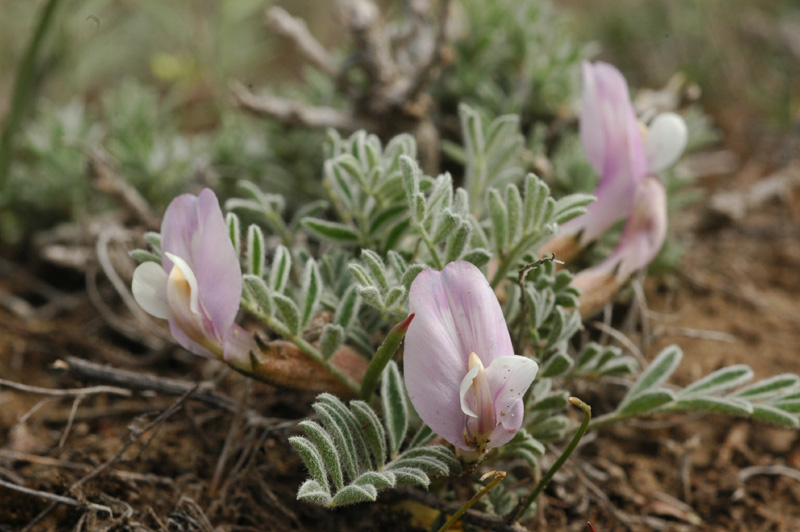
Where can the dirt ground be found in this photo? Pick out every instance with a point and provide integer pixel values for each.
(734, 299)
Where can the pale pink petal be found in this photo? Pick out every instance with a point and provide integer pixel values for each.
(612, 140)
(195, 230)
(665, 141)
(219, 275)
(238, 345)
(187, 343)
(149, 289)
(457, 314)
(641, 240)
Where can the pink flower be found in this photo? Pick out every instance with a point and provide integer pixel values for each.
(461, 372)
(641, 240)
(619, 149)
(198, 285)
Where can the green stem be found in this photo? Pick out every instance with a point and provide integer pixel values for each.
(382, 357)
(437, 260)
(498, 476)
(23, 88)
(511, 258)
(523, 505)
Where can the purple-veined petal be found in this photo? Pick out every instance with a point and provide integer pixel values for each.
(665, 141)
(457, 314)
(149, 289)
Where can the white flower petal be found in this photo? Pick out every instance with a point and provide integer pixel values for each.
(149, 289)
(466, 386)
(665, 141)
(509, 379)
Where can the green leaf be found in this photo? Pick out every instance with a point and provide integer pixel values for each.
(339, 430)
(311, 491)
(558, 364)
(431, 465)
(394, 296)
(721, 380)
(459, 242)
(656, 373)
(140, 255)
(348, 308)
(552, 428)
(385, 218)
(154, 239)
(280, 269)
(327, 450)
(255, 250)
(360, 274)
(373, 430)
(258, 293)
(774, 415)
(311, 289)
(407, 476)
(646, 401)
(234, 231)
(535, 203)
(362, 452)
(312, 459)
(439, 452)
(769, 387)
(626, 365)
(288, 312)
(448, 222)
(381, 480)
(354, 494)
(499, 216)
(335, 232)
(330, 340)
(395, 408)
(479, 257)
(410, 180)
(411, 274)
(788, 405)
(571, 206)
(376, 267)
(371, 296)
(553, 401)
(515, 207)
(723, 405)
(423, 436)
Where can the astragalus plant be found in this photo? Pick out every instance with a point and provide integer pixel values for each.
(490, 359)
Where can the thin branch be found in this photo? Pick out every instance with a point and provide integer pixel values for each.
(60, 499)
(296, 30)
(85, 370)
(291, 112)
(73, 392)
